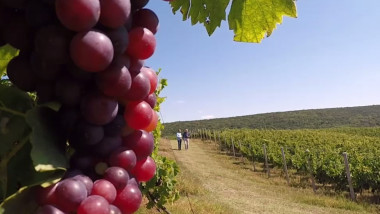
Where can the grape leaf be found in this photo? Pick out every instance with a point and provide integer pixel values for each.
(21, 202)
(208, 12)
(48, 148)
(250, 20)
(7, 52)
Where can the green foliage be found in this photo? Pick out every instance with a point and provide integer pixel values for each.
(28, 155)
(363, 116)
(7, 52)
(324, 147)
(161, 189)
(250, 20)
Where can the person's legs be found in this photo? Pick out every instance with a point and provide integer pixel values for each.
(179, 144)
(186, 140)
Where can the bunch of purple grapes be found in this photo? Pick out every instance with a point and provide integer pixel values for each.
(89, 56)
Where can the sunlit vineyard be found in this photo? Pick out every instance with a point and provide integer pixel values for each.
(323, 147)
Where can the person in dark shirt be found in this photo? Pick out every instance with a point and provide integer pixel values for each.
(185, 137)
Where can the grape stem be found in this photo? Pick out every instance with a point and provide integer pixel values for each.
(159, 208)
(4, 108)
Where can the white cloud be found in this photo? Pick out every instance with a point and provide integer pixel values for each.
(206, 117)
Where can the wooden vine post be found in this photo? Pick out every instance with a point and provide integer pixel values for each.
(311, 172)
(348, 173)
(266, 160)
(285, 166)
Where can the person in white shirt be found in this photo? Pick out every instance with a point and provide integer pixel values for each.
(179, 138)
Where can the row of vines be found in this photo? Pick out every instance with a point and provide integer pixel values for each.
(316, 151)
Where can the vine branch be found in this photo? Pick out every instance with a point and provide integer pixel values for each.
(6, 109)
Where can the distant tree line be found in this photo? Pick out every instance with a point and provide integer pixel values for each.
(362, 116)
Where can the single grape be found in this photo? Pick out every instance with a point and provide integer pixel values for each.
(141, 142)
(146, 18)
(138, 114)
(138, 4)
(144, 169)
(86, 134)
(114, 210)
(107, 146)
(135, 66)
(119, 39)
(86, 181)
(49, 209)
(151, 99)
(46, 195)
(115, 81)
(114, 13)
(153, 123)
(123, 157)
(105, 189)
(94, 204)
(117, 176)
(139, 89)
(142, 43)
(78, 15)
(70, 194)
(129, 199)
(98, 109)
(91, 51)
(152, 76)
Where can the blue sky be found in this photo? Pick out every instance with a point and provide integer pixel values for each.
(327, 57)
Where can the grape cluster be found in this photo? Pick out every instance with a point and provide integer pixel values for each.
(89, 56)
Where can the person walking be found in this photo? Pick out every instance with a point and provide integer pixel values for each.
(179, 138)
(186, 136)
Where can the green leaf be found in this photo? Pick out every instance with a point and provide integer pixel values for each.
(21, 202)
(7, 52)
(251, 20)
(48, 147)
(13, 105)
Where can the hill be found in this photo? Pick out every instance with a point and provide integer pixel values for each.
(361, 116)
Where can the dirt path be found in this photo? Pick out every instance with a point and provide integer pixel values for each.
(239, 189)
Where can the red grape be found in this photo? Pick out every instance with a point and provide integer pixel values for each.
(98, 109)
(49, 209)
(140, 87)
(115, 81)
(114, 13)
(142, 43)
(70, 193)
(138, 114)
(124, 158)
(105, 189)
(153, 79)
(141, 142)
(151, 99)
(117, 176)
(91, 51)
(153, 123)
(144, 169)
(94, 204)
(146, 18)
(78, 15)
(129, 199)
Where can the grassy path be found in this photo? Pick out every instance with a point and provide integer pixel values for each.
(239, 190)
